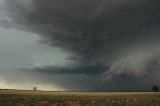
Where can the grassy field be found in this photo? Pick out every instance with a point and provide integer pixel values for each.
(41, 98)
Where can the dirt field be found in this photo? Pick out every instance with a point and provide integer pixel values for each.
(41, 98)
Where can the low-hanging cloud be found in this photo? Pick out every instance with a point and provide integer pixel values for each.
(136, 64)
(119, 36)
(89, 71)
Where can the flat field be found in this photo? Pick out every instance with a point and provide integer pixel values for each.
(41, 98)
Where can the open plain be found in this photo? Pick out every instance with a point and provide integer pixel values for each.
(43, 98)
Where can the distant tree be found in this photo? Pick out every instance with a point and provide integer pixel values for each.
(35, 88)
(155, 88)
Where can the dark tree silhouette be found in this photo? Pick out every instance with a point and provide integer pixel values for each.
(155, 88)
(35, 88)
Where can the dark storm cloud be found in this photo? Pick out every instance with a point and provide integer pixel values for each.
(94, 70)
(120, 34)
(83, 82)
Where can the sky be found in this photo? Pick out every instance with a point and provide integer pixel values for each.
(80, 45)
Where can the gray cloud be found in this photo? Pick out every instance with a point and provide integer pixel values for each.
(120, 37)
(135, 64)
(19, 49)
(92, 70)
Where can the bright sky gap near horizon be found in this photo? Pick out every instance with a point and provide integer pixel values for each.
(89, 45)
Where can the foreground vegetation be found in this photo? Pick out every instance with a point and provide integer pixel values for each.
(26, 99)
